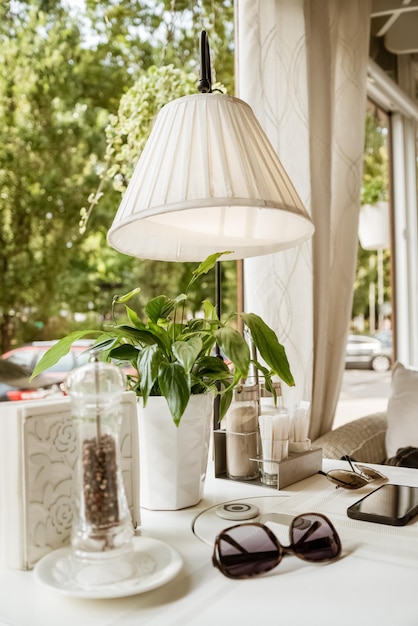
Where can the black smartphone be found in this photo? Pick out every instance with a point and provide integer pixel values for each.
(389, 504)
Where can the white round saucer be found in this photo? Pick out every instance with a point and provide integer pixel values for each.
(153, 562)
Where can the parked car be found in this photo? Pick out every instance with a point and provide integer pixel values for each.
(28, 355)
(385, 336)
(15, 384)
(364, 351)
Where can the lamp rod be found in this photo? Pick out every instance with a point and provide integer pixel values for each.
(205, 86)
(205, 82)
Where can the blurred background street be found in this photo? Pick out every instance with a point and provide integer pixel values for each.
(362, 392)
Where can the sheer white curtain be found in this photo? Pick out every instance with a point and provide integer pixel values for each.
(302, 66)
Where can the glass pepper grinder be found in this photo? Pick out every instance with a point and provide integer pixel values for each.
(102, 526)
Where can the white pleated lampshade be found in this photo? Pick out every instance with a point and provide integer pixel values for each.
(208, 180)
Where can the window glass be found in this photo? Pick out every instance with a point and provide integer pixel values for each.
(82, 357)
(24, 358)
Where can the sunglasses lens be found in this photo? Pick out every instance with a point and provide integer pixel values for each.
(247, 550)
(370, 472)
(346, 479)
(314, 538)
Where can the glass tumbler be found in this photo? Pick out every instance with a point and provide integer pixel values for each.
(242, 435)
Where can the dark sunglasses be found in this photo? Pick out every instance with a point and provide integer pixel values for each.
(358, 477)
(250, 549)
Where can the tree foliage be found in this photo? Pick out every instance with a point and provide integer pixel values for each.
(80, 84)
(128, 131)
(375, 187)
(63, 68)
(46, 155)
(375, 184)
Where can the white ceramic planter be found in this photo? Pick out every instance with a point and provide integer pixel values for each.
(172, 459)
(374, 226)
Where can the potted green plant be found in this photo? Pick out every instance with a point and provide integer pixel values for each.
(174, 357)
(177, 373)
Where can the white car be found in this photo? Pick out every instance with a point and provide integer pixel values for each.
(368, 352)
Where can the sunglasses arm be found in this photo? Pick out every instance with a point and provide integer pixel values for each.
(309, 532)
(234, 544)
(349, 461)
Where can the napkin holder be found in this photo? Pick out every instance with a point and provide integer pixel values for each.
(38, 454)
(296, 467)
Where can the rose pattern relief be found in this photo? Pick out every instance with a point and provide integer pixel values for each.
(64, 437)
(50, 455)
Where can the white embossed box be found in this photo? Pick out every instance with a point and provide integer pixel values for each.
(37, 460)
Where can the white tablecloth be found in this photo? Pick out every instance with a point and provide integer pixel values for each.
(374, 583)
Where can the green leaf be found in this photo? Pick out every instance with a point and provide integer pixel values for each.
(161, 307)
(143, 337)
(195, 325)
(225, 403)
(181, 298)
(234, 346)
(164, 337)
(207, 265)
(60, 349)
(210, 311)
(105, 343)
(154, 308)
(186, 352)
(126, 297)
(134, 319)
(175, 331)
(269, 386)
(125, 352)
(268, 346)
(209, 365)
(148, 363)
(174, 385)
(123, 299)
(209, 371)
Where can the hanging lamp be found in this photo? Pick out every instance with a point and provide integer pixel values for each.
(208, 180)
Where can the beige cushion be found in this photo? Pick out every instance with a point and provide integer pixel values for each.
(402, 413)
(362, 439)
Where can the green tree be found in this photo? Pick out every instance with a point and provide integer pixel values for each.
(375, 187)
(126, 135)
(44, 156)
(62, 73)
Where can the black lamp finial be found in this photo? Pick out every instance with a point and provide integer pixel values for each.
(205, 82)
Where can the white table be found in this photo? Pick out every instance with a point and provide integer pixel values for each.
(375, 583)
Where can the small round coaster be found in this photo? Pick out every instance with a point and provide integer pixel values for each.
(237, 511)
